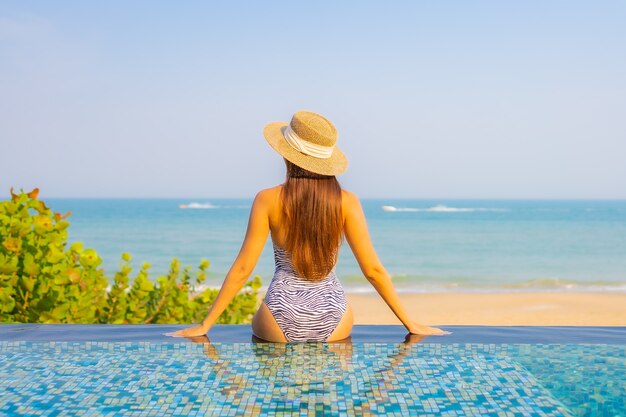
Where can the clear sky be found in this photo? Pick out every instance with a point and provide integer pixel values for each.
(432, 99)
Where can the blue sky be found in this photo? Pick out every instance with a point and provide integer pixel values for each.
(454, 99)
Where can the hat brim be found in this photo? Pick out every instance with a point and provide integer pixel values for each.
(336, 164)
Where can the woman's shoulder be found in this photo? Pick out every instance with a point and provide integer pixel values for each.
(349, 201)
(270, 192)
(349, 197)
(268, 196)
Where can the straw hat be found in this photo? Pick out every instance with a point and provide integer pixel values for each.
(308, 141)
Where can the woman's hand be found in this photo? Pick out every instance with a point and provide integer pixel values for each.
(426, 331)
(195, 331)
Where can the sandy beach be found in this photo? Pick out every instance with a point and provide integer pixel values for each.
(498, 309)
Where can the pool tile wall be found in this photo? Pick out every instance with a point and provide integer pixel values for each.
(229, 379)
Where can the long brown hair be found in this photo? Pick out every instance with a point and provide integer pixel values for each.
(314, 221)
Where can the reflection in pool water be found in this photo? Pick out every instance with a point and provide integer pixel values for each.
(414, 376)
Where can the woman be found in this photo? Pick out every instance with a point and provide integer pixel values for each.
(307, 217)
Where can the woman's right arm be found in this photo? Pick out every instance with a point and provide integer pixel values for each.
(357, 235)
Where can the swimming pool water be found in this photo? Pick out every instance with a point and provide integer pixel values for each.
(416, 376)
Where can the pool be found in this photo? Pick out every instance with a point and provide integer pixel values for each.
(109, 370)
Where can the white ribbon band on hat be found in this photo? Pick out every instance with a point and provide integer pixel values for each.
(306, 147)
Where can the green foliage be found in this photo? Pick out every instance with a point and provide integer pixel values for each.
(43, 282)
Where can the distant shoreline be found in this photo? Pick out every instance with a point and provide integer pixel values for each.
(417, 290)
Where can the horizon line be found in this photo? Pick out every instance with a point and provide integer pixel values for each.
(360, 197)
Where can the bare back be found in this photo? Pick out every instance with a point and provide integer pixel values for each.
(276, 214)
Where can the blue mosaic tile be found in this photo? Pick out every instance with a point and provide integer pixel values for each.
(590, 379)
(234, 379)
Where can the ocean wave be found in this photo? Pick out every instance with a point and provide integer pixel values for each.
(440, 208)
(406, 283)
(194, 205)
(566, 284)
(488, 290)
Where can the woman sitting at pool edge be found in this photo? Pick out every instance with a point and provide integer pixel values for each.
(307, 217)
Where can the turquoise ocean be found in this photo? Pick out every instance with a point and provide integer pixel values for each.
(426, 245)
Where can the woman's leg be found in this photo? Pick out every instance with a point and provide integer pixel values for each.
(344, 327)
(264, 325)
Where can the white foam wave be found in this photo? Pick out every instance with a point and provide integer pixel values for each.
(194, 205)
(431, 289)
(392, 208)
(440, 208)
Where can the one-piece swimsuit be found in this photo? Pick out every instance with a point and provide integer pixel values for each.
(305, 310)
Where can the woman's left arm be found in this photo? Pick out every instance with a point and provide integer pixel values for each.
(256, 236)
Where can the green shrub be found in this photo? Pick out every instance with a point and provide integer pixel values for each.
(42, 281)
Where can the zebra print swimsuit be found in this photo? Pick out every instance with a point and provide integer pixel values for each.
(304, 310)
